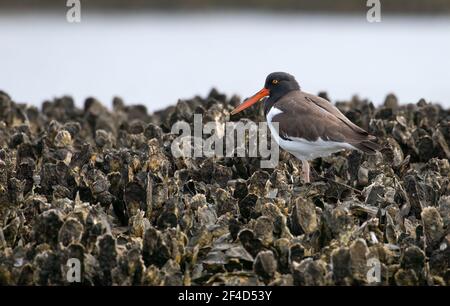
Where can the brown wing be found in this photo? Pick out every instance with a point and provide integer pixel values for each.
(309, 117)
(332, 110)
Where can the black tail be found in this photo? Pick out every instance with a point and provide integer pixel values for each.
(368, 147)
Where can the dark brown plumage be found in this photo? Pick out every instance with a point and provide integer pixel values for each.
(310, 117)
(305, 125)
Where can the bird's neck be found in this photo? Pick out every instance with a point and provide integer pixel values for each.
(272, 99)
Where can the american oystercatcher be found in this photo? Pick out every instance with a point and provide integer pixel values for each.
(308, 126)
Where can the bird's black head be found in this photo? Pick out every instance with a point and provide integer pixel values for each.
(280, 83)
(277, 85)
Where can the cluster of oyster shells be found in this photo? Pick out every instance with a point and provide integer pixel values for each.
(103, 187)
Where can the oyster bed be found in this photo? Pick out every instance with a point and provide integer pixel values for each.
(103, 187)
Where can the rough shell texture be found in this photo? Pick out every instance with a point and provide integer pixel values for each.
(104, 187)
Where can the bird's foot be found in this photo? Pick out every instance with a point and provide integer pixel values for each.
(305, 171)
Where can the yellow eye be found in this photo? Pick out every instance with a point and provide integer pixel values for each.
(274, 82)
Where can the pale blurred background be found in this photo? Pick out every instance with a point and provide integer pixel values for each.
(155, 52)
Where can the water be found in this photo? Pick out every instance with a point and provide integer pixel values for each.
(156, 59)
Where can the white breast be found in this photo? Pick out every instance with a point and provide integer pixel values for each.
(302, 148)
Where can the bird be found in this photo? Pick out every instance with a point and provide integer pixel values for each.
(305, 125)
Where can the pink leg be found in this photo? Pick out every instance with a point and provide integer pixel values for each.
(305, 170)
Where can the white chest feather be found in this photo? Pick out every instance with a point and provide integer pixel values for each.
(302, 148)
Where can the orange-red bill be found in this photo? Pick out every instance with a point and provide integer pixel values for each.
(252, 100)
